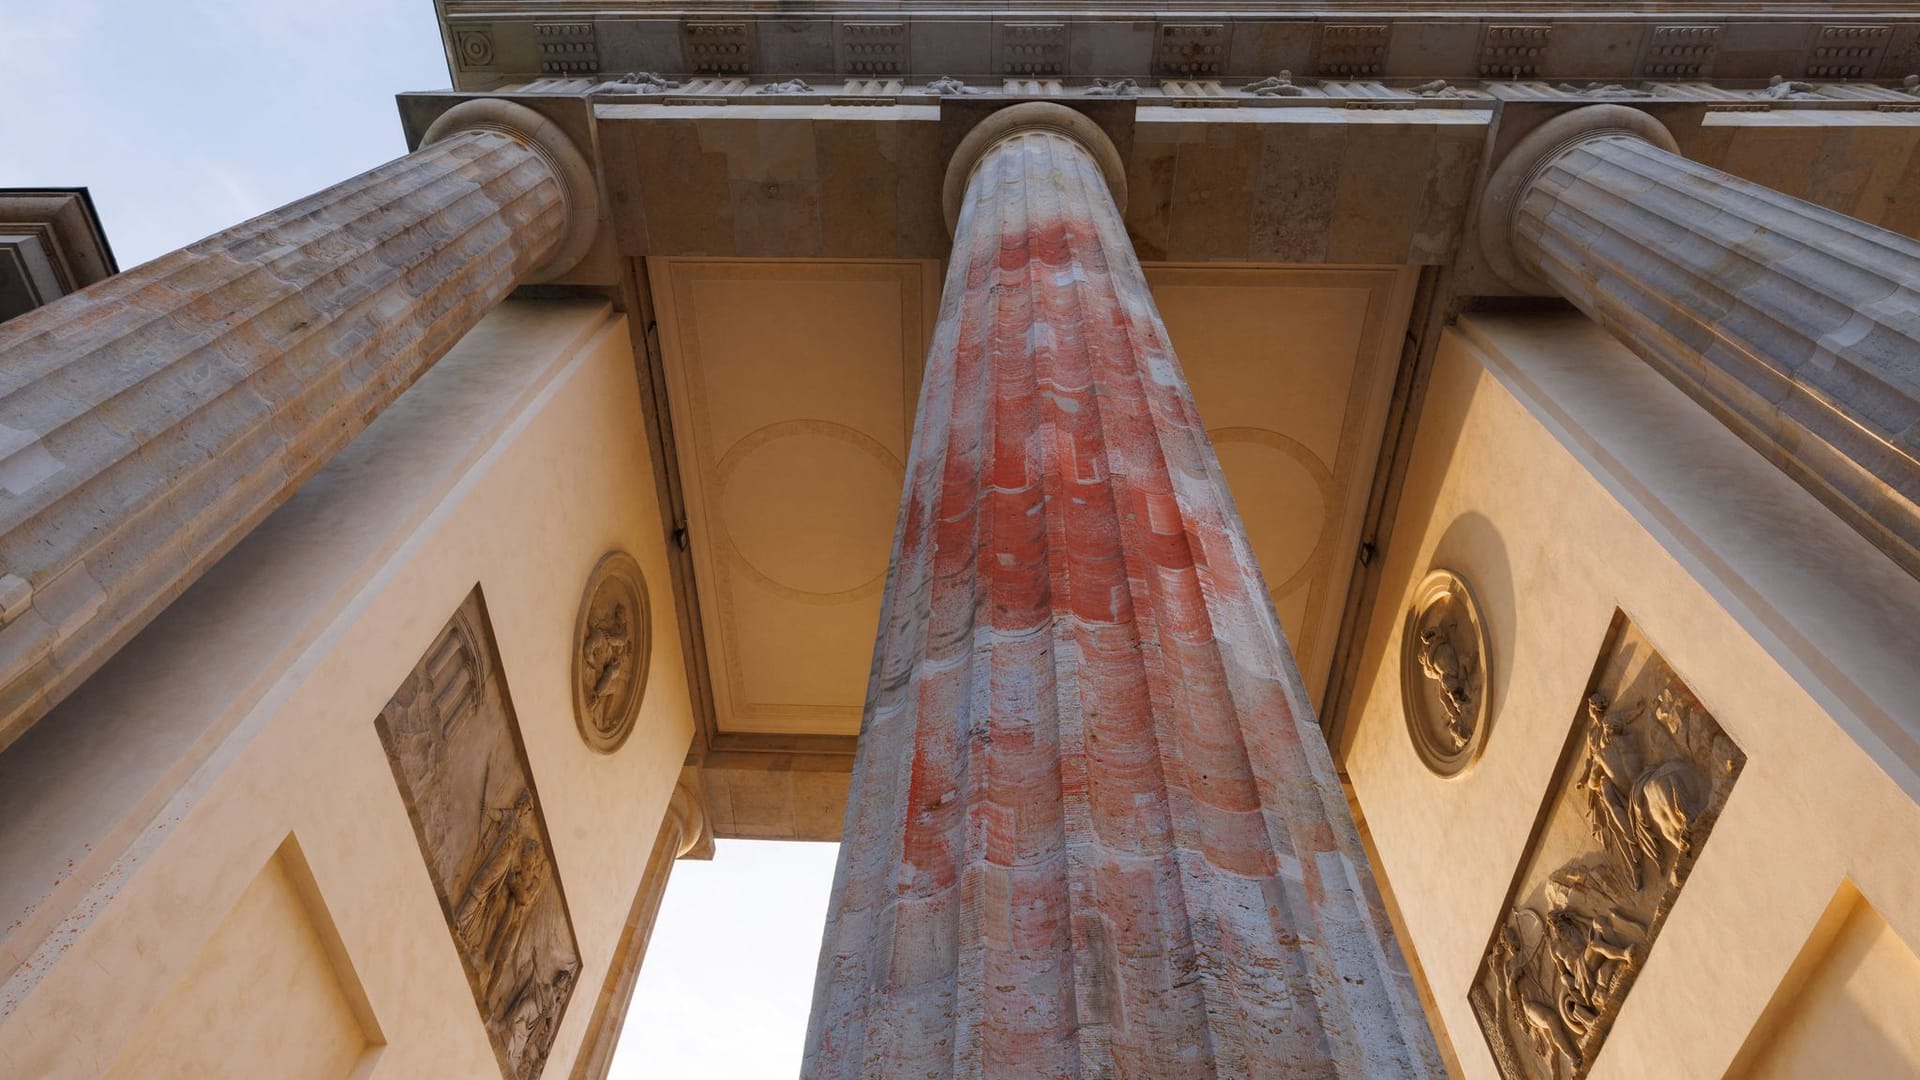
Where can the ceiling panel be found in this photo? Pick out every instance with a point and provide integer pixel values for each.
(1292, 371)
(793, 386)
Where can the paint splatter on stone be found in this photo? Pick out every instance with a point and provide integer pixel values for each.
(1093, 828)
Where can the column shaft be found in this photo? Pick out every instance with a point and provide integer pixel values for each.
(1799, 328)
(148, 423)
(1093, 827)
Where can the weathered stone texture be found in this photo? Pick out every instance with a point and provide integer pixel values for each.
(1797, 326)
(148, 423)
(1093, 829)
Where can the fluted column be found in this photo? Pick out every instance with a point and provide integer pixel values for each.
(682, 831)
(1798, 327)
(1093, 828)
(147, 423)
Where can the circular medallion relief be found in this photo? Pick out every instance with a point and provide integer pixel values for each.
(1443, 674)
(612, 643)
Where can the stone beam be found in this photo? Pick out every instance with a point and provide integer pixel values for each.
(1311, 184)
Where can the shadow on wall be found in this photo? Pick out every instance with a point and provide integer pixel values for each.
(1472, 547)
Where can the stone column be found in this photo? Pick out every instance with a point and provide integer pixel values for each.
(683, 832)
(1799, 328)
(1093, 827)
(149, 422)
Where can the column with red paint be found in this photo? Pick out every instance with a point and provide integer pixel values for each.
(1093, 829)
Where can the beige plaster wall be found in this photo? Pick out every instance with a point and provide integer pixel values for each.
(1566, 480)
(1856, 988)
(145, 825)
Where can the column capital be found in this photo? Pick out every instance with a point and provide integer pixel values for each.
(578, 188)
(1500, 199)
(688, 809)
(1021, 119)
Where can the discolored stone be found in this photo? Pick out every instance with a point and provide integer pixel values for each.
(1093, 828)
(149, 422)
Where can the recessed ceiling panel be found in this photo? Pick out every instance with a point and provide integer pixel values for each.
(1292, 371)
(793, 387)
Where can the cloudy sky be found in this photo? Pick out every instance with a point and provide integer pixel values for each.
(186, 116)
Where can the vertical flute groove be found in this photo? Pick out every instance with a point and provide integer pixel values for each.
(1797, 327)
(148, 423)
(1147, 867)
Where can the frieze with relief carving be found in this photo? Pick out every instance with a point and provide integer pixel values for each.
(454, 745)
(1642, 780)
(612, 642)
(1444, 668)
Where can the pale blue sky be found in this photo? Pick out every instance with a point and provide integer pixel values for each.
(187, 116)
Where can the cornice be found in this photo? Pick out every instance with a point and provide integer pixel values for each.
(493, 42)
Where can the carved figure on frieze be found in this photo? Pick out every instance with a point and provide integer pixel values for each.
(1606, 770)
(1443, 673)
(1603, 90)
(1525, 997)
(1280, 85)
(1632, 805)
(637, 82)
(1438, 88)
(786, 86)
(475, 917)
(948, 86)
(1781, 88)
(534, 1017)
(454, 747)
(1113, 88)
(522, 887)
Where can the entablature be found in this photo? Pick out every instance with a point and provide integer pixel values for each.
(493, 42)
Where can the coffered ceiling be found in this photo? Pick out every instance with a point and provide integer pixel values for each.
(792, 386)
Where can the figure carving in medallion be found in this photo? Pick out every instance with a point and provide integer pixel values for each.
(1440, 662)
(1443, 673)
(612, 640)
(606, 659)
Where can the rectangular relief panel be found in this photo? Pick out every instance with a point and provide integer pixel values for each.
(1644, 775)
(455, 748)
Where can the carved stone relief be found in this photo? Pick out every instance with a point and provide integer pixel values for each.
(612, 644)
(454, 745)
(1444, 663)
(1643, 777)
